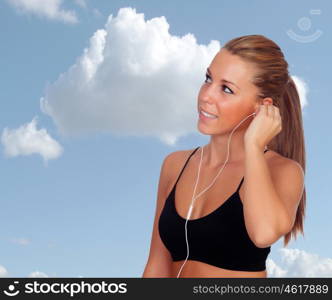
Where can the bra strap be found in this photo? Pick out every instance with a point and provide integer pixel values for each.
(243, 177)
(186, 164)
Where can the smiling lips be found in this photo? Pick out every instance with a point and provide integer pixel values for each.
(206, 115)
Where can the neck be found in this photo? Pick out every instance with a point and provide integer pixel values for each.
(215, 152)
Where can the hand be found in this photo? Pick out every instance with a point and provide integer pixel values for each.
(265, 125)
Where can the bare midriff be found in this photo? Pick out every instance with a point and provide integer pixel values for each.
(193, 268)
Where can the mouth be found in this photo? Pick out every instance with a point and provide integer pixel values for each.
(205, 115)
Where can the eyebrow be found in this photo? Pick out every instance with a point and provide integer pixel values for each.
(222, 80)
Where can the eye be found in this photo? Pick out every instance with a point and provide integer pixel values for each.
(225, 86)
(207, 77)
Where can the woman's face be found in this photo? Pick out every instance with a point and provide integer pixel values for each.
(227, 93)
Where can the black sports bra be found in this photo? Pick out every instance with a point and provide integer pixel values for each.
(219, 238)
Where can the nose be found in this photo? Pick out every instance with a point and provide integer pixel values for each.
(208, 94)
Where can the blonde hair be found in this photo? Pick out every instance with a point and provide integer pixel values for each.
(273, 80)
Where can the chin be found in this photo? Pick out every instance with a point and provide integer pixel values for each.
(213, 130)
(207, 130)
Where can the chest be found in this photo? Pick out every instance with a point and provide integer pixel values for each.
(209, 195)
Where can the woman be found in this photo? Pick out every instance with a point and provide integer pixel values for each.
(259, 197)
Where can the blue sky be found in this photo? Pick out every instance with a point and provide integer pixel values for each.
(84, 133)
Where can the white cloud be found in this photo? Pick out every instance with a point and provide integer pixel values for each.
(299, 263)
(3, 271)
(135, 78)
(302, 89)
(50, 9)
(37, 274)
(274, 270)
(27, 139)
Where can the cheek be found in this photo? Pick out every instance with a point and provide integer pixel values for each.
(228, 107)
(232, 111)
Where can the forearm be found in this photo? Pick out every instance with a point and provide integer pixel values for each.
(264, 212)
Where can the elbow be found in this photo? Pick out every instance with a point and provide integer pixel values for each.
(265, 239)
(268, 237)
(263, 242)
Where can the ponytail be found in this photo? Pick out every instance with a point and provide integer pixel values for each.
(291, 144)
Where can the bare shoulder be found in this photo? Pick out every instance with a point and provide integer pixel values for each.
(174, 162)
(177, 157)
(287, 174)
(279, 163)
(169, 167)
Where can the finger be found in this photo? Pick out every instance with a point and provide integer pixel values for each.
(266, 108)
(277, 112)
(272, 111)
(278, 115)
(270, 108)
(262, 109)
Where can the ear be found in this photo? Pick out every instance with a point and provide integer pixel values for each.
(267, 100)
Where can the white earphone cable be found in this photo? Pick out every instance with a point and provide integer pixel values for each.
(194, 198)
